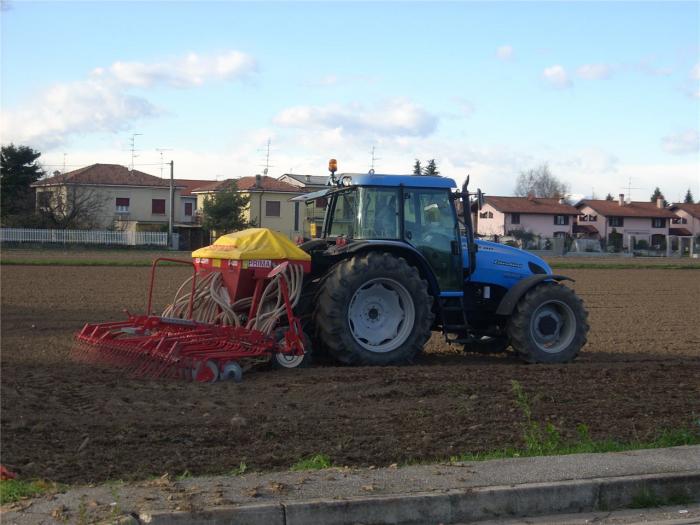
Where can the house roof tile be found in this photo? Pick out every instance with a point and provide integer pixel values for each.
(692, 209)
(249, 184)
(630, 209)
(188, 185)
(105, 175)
(531, 205)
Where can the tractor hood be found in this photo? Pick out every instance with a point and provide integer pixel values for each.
(505, 265)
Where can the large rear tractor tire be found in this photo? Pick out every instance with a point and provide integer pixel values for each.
(374, 310)
(549, 325)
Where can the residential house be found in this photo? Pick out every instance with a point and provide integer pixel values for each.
(117, 197)
(315, 210)
(625, 224)
(188, 200)
(270, 205)
(308, 183)
(546, 218)
(687, 219)
(685, 226)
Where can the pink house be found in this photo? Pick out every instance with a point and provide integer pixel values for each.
(625, 223)
(687, 220)
(544, 217)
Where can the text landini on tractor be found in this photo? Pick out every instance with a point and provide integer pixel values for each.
(390, 263)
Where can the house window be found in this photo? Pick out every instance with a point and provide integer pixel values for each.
(43, 199)
(657, 222)
(158, 206)
(582, 218)
(679, 220)
(561, 220)
(593, 218)
(122, 205)
(616, 221)
(515, 218)
(486, 215)
(188, 209)
(272, 208)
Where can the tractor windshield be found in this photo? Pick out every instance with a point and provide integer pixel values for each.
(366, 213)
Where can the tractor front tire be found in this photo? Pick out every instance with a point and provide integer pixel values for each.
(549, 325)
(374, 309)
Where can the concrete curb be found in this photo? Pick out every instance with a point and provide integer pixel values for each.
(451, 506)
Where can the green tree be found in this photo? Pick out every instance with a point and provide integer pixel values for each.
(417, 169)
(688, 197)
(657, 193)
(18, 170)
(223, 212)
(539, 182)
(609, 197)
(431, 169)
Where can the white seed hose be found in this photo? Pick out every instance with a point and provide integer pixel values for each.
(211, 303)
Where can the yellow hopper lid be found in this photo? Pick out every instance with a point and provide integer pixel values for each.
(253, 244)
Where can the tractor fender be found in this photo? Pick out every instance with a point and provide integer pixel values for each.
(400, 249)
(512, 296)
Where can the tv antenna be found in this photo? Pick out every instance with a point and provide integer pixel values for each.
(267, 164)
(373, 159)
(161, 150)
(630, 188)
(132, 143)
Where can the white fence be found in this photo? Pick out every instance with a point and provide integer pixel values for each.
(125, 238)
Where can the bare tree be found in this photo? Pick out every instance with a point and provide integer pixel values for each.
(539, 182)
(73, 207)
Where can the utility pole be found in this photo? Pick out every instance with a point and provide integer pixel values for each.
(171, 215)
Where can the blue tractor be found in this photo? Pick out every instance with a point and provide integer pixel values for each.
(392, 262)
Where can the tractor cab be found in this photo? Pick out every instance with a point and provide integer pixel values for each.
(417, 211)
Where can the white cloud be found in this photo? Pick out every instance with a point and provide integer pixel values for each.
(681, 143)
(396, 117)
(505, 53)
(556, 76)
(594, 71)
(102, 102)
(187, 71)
(695, 72)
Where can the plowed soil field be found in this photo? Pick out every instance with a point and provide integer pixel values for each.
(639, 373)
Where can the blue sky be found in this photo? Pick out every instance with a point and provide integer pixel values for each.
(601, 91)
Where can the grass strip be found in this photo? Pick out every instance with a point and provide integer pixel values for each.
(12, 490)
(317, 462)
(673, 438)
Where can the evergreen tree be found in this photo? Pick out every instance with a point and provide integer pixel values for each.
(18, 170)
(688, 197)
(431, 169)
(609, 197)
(223, 212)
(417, 170)
(657, 193)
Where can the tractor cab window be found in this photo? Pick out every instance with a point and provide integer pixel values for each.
(366, 213)
(430, 225)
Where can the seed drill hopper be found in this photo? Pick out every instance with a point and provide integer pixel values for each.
(235, 311)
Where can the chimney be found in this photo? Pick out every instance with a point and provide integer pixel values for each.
(307, 178)
(562, 200)
(258, 181)
(531, 196)
(621, 199)
(660, 201)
